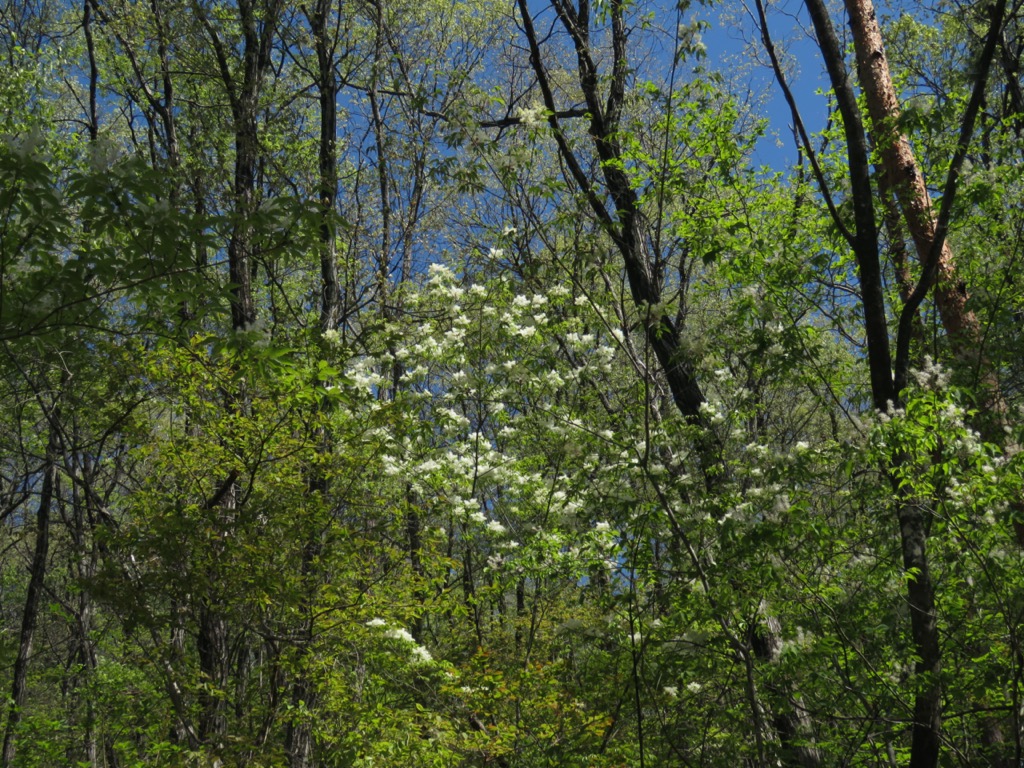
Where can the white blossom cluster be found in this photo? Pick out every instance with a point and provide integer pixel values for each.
(931, 375)
(533, 116)
(465, 372)
(418, 653)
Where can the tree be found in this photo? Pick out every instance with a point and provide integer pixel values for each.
(421, 385)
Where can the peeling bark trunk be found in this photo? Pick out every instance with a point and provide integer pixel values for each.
(926, 731)
(902, 173)
(903, 176)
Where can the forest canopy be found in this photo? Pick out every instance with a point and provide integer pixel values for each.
(511, 384)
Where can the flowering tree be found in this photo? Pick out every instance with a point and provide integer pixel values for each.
(444, 386)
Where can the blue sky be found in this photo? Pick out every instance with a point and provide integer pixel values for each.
(733, 39)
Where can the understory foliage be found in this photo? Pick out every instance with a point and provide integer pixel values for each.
(438, 385)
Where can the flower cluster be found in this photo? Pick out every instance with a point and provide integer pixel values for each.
(418, 653)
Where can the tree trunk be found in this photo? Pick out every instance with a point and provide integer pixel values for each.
(299, 731)
(84, 562)
(33, 599)
(213, 665)
(631, 232)
(903, 176)
(913, 533)
(257, 24)
(926, 733)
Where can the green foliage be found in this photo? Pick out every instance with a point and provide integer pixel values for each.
(467, 524)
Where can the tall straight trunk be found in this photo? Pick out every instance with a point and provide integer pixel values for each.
(911, 521)
(381, 147)
(212, 647)
(926, 732)
(33, 600)
(303, 695)
(84, 561)
(84, 651)
(1010, 63)
(966, 337)
(241, 247)
(244, 89)
(327, 154)
(243, 86)
(903, 176)
(392, 307)
(629, 229)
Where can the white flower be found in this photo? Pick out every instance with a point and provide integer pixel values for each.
(602, 526)
(376, 623)
(401, 634)
(439, 273)
(931, 376)
(558, 290)
(477, 517)
(693, 687)
(332, 337)
(671, 691)
(509, 231)
(421, 655)
(801, 446)
(531, 117)
(495, 527)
